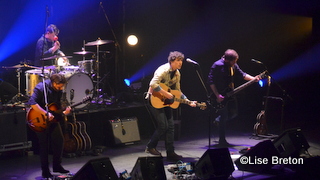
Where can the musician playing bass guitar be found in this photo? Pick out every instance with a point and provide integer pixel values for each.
(221, 80)
(53, 133)
(169, 75)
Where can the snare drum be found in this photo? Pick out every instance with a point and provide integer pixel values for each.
(33, 78)
(78, 86)
(87, 66)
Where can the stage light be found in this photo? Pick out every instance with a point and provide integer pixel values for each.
(132, 40)
(261, 83)
(127, 82)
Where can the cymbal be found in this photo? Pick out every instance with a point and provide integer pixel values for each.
(98, 42)
(83, 52)
(55, 57)
(50, 67)
(21, 66)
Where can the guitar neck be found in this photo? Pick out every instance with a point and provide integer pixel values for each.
(184, 101)
(239, 88)
(236, 90)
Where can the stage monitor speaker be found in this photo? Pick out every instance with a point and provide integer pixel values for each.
(97, 169)
(147, 168)
(125, 130)
(291, 143)
(254, 160)
(214, 164)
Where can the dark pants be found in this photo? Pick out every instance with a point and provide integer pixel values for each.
(226, 114)
(51, 137)
(165, 128)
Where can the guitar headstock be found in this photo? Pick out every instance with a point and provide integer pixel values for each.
(86, 99)
(263, 74)
(202, 105)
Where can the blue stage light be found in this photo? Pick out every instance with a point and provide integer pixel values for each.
(127, 82)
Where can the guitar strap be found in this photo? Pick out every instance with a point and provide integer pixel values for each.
(232, 79)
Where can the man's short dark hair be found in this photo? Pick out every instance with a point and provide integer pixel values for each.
(52, 29)
(58, 78)
(230, 55)
(175, 54)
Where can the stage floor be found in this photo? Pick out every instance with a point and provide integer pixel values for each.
(15, 165)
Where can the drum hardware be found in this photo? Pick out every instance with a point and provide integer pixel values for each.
(17, 98)
(97, 43)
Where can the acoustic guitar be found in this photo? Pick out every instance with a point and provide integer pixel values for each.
(158, 100)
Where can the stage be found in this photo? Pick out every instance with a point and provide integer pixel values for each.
(192, 142)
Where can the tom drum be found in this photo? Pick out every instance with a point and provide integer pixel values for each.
(87, 66)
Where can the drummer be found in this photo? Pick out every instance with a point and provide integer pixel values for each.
(48, 46)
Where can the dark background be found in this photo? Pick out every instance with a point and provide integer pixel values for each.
(277, 33)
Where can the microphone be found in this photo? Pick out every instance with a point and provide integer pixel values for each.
(100, 4)
(48, 12)
(256, 61)
(191, 61)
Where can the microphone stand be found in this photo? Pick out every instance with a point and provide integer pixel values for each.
(117, 47)
(208, 102)
(284, 93)
(42, 60)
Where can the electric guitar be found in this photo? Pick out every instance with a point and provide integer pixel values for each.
(227, 93)
(38, 122)
(158, 100)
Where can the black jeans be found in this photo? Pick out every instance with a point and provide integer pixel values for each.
(165, 128)
(51, 137)
(226, 114)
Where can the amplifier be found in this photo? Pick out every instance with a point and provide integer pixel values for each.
(124, 130)
(13, 128)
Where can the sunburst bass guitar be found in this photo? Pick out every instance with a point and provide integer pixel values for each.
(38, 123)
(158, 100)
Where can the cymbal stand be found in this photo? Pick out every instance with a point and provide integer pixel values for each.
(98, 70)
(16, 98)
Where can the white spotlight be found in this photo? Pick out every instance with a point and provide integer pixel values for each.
(132, 40)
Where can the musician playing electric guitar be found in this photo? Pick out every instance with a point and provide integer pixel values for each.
(221, 78)
(54, 122)
(169, 75)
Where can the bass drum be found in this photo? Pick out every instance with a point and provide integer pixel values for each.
(78, 87)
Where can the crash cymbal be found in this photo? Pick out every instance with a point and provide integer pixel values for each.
(55, 57)
(98, 42)
(20, 66)
(83, 52)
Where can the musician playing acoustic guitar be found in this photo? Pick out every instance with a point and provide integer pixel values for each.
(53, 133)
(169, 75)
(221, 78)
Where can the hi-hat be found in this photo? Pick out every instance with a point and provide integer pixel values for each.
(55, 57)
(98, 42)
(22, 66)
(83, 52)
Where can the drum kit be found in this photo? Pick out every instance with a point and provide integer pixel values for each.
(80, 82)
